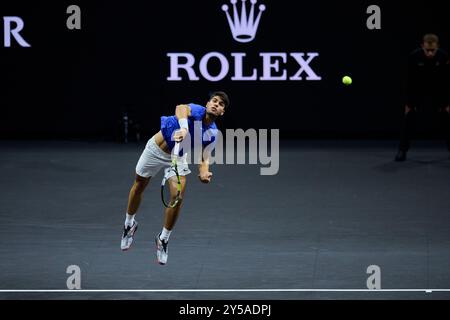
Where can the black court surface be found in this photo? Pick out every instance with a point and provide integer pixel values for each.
(335, 209)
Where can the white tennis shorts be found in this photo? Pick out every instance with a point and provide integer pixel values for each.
(153, 159)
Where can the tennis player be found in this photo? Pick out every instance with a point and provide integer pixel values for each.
(157, 155)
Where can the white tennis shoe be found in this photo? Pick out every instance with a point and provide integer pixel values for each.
(128, 236)
(161, 250)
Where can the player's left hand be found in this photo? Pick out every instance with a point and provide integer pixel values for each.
(180, 134)
(205, 177)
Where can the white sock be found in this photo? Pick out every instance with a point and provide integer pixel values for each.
(129, 220)
(165, 234)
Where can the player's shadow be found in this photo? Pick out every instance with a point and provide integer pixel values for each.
(413, 162)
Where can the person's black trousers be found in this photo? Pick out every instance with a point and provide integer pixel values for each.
(440, 118)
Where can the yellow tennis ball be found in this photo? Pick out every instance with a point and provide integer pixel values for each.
(347, 80)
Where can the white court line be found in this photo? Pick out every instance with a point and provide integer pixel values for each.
(216, 290)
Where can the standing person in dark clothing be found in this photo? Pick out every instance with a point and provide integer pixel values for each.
(428, 89)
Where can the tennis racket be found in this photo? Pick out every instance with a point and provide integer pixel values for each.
(173, 167)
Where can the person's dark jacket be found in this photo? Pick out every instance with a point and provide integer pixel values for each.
(428, 80)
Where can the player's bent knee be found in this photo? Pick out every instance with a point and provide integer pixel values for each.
(140, 183)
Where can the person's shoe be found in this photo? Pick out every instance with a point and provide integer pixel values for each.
(401, 156)
(128, 236)
(161, 250)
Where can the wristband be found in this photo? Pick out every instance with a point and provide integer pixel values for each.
(183, 123)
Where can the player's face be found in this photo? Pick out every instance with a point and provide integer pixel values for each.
(430, 49)
(215, 106)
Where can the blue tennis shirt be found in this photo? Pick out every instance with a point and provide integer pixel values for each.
(207, 133)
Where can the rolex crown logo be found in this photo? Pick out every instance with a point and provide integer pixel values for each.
(244, 25)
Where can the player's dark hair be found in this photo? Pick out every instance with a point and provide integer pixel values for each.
(221, 95)
(430, 38)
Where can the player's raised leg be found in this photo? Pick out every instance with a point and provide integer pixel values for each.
(136, 192)
(170, 218)
(134, 200)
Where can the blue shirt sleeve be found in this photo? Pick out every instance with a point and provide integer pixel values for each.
(197, 112)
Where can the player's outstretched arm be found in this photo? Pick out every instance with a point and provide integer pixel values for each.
(203, 171)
